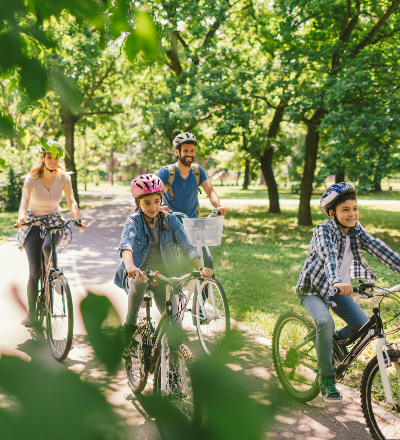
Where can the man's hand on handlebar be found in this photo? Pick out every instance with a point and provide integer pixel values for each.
(345, 289)
(166, 208)
(222, 211)
(136, 273)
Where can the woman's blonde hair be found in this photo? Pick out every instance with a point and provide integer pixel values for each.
(38, 170)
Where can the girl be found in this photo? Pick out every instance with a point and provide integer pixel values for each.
(148, 241)
(41, 195)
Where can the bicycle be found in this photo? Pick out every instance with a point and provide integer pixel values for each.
(150, 353)
(295, 362)
(54, 298)
(210, 307)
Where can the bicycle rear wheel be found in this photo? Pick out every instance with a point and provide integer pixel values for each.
(211, 314)
(60, 317)
(295, 357)
(178, 392)
(382, 417)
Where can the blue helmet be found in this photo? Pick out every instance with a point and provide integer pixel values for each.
(330, 196)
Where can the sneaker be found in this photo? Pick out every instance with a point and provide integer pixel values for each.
(128, 330)
(329, 392)
(203, 319)
(29, 321)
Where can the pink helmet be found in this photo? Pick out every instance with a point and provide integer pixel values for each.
(146, 184)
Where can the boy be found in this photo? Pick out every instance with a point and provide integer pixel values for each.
(335, 256)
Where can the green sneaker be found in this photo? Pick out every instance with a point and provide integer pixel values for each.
(329, 392)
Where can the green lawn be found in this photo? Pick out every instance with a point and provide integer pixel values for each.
(261, 257)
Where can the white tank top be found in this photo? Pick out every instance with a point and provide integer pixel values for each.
(45, 201)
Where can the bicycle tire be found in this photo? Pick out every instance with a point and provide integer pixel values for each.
(300, 380)
(137, 363)
(215, 313)
(179, 392)
(382, 418)
(59, 317)
(40, 309)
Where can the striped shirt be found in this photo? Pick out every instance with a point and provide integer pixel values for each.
(325, 256)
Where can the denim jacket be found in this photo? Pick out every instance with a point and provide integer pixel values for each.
(135, 237)
(325, 256)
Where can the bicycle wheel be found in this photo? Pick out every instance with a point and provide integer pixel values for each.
(211, 314)
(178, 391)
(295, 357)
(60, 317)
(382, 417)
(136, 363)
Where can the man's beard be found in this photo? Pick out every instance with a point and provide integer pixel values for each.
(186, 162)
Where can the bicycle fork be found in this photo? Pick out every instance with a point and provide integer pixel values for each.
(380, 350)
(164, 347)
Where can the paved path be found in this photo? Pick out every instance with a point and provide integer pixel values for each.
(89, 263)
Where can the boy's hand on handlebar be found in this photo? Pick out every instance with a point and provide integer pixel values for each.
(136, 273)
(166, 208)
(207, 273)
(345, 289)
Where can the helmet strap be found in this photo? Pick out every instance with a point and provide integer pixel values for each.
(338, 222)
(151, 218)
(51, 171)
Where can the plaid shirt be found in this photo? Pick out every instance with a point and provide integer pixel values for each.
(52, 220)
(325, 256)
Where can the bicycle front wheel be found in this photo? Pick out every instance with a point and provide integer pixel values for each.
(295, 357)
(178, 390)
(382, 417)
(60, 317)
(211, 314)
(136, 357)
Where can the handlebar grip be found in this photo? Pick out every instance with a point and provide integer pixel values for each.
(355, 290)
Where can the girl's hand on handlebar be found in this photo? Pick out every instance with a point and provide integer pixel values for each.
(18, 223)
(345, 289)
(84, 225)
(137, 274)
(207, 273)
(166, 208)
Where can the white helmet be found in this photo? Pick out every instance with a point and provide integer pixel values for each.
(330, 196)
(184, 138)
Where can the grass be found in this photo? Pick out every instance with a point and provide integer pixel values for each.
(261, 257)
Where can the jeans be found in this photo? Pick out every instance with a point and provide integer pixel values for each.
(347, 310)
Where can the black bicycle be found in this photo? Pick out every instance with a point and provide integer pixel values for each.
(295, 361)
(54, 300)
(151, 352)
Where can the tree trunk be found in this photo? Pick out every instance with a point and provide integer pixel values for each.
(112, 166)
(340, 177)
(68, 123)
(377, 185)
(267, 158)
(310, 163)
(246, 180)
(268, 173)
(238, 177)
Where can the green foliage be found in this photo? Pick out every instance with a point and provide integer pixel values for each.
(11, 191)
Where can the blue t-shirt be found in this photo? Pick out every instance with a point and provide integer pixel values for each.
(185, 191)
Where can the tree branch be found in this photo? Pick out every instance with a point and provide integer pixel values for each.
(381, 37)
(266, 100)
(203, 118)
(100, 82)
(369, 38)
(345, 19)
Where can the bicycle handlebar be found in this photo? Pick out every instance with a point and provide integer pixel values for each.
(40, 219)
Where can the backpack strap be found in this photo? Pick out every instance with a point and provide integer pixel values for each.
(171, 177)
(196, 170)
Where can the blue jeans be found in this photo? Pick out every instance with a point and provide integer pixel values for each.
(347, 310)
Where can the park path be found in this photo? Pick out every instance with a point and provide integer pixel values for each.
(89, 263)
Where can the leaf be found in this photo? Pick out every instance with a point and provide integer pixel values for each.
(3, 163)
(6, 124)
(35, 112)
(25, 136)
(34, 79)
(67, 91)
(8, 73)
(54, 150)
(40, 118)
(11, 85)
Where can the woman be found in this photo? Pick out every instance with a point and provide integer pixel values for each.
(41, 195)
(149, 240)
